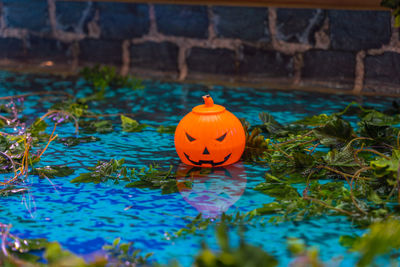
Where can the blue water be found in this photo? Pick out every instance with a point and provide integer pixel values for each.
(85, 217)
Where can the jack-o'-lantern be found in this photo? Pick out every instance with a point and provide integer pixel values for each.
(209, 136)
(211, 191)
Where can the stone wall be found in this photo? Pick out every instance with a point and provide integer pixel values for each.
(333, 50)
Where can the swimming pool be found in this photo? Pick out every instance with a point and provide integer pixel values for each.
(84, 217)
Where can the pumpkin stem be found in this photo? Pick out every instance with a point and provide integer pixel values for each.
(208, 101)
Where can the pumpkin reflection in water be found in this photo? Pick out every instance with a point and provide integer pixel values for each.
(209, 136)
(211, 190)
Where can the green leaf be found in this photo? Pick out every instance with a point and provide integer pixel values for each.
(103, 171)
(377, 118)
(335, 131)
(303, 160)
(153, 178)
(56, 256)
(383, 166)
(116, 241)
(103, 126)
(256, 144)
(271, 126)
(131, 125)
(390, 3)
(382, 238)
(74, 141)
(52, 171)
(343, 157)
(37, 127)
(166, 129)
(316, 120)
(12, 190)
(277, 190)
(347, 240)
(244, 255)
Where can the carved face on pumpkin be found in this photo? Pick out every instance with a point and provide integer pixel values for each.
(209, 136)
(211, 191)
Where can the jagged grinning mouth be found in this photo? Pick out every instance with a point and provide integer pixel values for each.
(212, 163)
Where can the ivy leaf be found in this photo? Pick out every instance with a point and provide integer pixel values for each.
(130, 125)
(335, 131)
(52, 171)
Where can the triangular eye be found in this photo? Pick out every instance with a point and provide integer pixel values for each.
(220, 139)
(191, 139)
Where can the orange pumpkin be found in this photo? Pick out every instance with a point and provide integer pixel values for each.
(211, 191)
(209, 136)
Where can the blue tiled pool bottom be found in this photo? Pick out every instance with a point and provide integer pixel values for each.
(84, 217)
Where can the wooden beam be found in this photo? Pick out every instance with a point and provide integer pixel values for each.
(324, 4)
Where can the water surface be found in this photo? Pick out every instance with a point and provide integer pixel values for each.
(84, 217)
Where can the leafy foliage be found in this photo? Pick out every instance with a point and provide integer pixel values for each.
(244, 255)
(52, 171)
(382, 238)
(395, 5)
(124, 252)
(103, 77)
(334, 131)
(103, 171)
(24, 252)
(74, 141)
(166, 129)
(255, 143)
(150, 177)
(12, 190)
(153, 178)
(97, 126)
(130, 125)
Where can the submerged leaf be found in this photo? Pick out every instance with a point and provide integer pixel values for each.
(12, 190)
(74, 141)
(52, 171)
